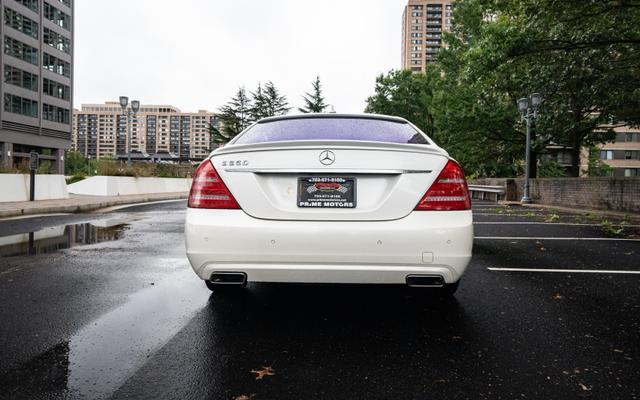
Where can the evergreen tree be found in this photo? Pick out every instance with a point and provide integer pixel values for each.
(260, 107)
(235, 116)
(276, 103)
(314, 102)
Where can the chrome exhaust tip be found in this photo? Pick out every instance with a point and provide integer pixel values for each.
(425, 281)
(228, 278)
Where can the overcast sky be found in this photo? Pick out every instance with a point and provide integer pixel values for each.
(194, 54)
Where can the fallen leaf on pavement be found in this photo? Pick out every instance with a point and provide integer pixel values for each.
(264, 371)
(243, 397)
(558, 296)
(584, 387)
(618, 351)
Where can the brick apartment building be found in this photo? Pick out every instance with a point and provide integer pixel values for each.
(423, 23)
(159, 133)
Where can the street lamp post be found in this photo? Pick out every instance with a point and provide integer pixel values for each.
(528, 108)
(129, 113)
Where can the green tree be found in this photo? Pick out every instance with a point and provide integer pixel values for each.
(74, 163)
(275, 102)
(584, 57)
(235, 116)
(405, 94)
(596, 166)
(314, 102)
(260, 104)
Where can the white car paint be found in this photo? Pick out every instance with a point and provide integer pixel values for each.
(437, 242)
(383, 240)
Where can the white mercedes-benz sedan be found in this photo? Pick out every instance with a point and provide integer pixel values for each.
(330, 198)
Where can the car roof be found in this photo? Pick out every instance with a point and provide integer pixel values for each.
(334, 116)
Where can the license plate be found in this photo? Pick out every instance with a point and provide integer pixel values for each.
(326, 192)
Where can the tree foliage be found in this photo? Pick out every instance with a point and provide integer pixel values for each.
(244, 109)
(405, 94)
(314, 102)
(235, 116)
(276, 103)
(74, 163)
(584, 57)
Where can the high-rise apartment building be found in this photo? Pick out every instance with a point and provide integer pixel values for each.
(159, 132)
(37, 80)
(423, 23)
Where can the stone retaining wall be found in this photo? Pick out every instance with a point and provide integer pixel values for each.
(611, 194)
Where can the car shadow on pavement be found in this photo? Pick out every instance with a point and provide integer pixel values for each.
(350, 336)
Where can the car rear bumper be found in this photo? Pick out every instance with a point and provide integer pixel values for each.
(384, 252)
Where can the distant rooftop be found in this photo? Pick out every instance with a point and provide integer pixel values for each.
(114, 107)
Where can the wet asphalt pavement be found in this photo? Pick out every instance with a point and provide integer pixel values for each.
(105, 306)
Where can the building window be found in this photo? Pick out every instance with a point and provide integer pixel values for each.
(55, 89)
(19, 50)
(20, 23)
(56, 16)
(66, 2)
(20, 105)
(606, 155)
(55, 65)
(56, 40)
(30, 4)
(633, 137)
(55, 114)
(631, 172)
(18, 77)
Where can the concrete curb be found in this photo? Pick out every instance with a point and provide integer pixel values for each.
(78, 204)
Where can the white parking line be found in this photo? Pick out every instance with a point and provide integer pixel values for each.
(547, 223)
(566, 271)
(554, 238)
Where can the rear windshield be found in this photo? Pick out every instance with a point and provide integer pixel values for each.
(362, 129)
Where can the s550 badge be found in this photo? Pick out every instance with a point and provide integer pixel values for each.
(235, 163)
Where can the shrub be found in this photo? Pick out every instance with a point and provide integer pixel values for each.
(75, 178)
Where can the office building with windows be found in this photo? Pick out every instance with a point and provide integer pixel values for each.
(37, 80)
(159, 133)
(423, 23)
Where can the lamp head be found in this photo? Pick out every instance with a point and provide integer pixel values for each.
(523, 105)
(536, 100)
(135, 106)
(124, 101)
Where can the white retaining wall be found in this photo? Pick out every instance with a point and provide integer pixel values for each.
(124, 185)
(15, 187)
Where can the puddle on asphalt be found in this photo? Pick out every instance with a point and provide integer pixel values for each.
(100, 357)
(55, 238)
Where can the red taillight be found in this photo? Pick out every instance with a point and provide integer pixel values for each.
(209, 191)
(449, 192)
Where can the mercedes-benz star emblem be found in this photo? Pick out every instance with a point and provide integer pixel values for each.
(327, 157)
